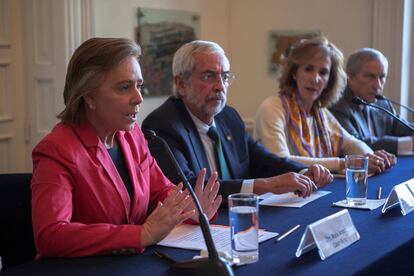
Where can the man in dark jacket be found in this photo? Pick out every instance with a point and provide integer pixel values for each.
(367, 72)
(203, 132)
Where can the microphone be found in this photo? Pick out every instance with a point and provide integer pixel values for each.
(381, 97)
(213, 265)
(359, 101)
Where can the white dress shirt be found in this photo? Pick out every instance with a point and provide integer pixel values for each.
(202, 128)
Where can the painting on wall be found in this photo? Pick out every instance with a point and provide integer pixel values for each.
(279, 43)
(160, 33)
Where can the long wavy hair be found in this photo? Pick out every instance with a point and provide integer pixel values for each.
(303, 52)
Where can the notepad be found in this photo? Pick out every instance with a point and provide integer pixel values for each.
(290, 199)
(188, 236)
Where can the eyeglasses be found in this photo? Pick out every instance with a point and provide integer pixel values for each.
(212, 77)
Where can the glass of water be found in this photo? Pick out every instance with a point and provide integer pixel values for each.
(244, 227)
(356, 167)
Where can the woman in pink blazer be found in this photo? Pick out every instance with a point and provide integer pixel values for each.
(96, 189)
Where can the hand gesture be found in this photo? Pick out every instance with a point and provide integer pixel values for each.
(379, 161)
(320, 175)
(389, 158)
(207, 196)
(166, 216)
(288, 182)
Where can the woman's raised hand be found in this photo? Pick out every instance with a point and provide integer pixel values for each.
(166, 216)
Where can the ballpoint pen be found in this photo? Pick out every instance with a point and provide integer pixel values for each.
(165, 257)
(287, 233)
(314, 188)
(379, 192)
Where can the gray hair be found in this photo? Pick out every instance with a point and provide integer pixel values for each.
(183, 60)
(360, 56)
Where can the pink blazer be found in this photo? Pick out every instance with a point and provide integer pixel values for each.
(80, 204)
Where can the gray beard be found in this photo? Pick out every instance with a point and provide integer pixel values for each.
(211, 112)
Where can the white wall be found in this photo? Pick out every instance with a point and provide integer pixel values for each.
(113, 19)
(347, 23)
(12, 88)
(242, 28)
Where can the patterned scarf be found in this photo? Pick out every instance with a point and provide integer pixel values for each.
(327, 142)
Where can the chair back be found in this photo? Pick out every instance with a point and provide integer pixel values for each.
(16, 231)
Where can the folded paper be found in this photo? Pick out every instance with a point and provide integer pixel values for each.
(371, 204)
(330, 235)
(402, 195)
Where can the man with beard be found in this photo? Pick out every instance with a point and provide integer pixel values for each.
(203, 132)
(367, 70)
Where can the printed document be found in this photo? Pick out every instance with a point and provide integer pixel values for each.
(290, 199)
(188, 236)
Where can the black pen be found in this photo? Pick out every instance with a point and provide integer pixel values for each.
(287, 233)
(379, 192)
(165, 257)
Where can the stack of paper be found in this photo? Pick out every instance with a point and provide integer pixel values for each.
(290, 199)
(188, 236)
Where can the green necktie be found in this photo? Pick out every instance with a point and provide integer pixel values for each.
(224, 172)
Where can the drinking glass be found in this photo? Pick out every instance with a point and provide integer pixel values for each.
(244, 227)
(356, 167)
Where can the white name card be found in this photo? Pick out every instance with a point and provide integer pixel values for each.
(330, 235)
(402, 194)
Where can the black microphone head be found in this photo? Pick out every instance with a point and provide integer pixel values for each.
(380, 97)
(149, 134)
(358, 100)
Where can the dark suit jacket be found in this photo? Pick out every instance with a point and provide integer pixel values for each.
(247, 159)
(386, 127)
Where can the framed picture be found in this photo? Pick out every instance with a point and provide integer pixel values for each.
(160, 33)
(279, 43)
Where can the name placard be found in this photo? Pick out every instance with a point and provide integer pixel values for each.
(403, 195)
(330, 235)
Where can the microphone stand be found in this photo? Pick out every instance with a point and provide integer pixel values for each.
(381, 97)
(213, 265)
(358, 100)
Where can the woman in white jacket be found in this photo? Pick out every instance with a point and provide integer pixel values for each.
(297, 124)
